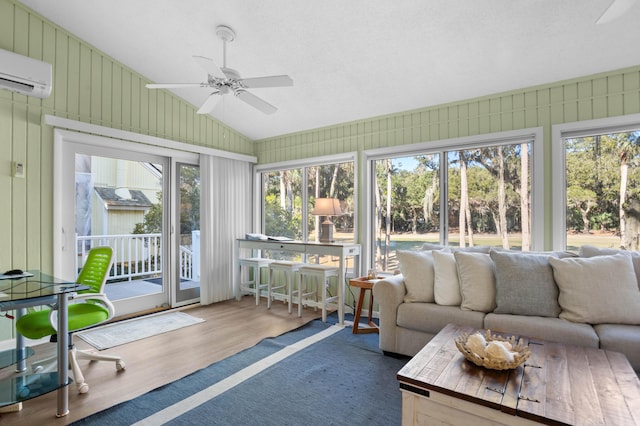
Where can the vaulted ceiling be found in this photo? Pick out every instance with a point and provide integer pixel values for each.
(353, 59)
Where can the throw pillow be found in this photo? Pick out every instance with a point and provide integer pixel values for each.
(417, 270)
(525, 284)
(432, 246)
(477, 282)
(592, 251)
(474, 249)
(597, 290)
(446, 288)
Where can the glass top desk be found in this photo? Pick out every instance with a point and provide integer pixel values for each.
(19, 294)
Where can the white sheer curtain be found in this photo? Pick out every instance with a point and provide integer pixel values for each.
(225, 215)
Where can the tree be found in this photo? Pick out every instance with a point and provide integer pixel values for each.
(152, 221)
(584, 200)
(627, 150)
(465, 211)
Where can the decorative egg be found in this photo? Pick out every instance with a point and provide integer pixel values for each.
(476, 344)
(497, 350)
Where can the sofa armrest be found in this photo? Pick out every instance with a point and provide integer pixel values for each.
(389, 293)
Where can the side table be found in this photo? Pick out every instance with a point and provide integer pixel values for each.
(364, 284)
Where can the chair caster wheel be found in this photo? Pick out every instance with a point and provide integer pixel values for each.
(83, 388)
(119, 365)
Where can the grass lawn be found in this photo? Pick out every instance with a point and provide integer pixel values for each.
(574, 240)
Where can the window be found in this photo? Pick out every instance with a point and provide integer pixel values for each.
(602, 189)
(468, 192)
(289, 194)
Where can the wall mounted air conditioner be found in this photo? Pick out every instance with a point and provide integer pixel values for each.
(25, 75)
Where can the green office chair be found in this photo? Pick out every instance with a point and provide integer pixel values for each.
(87, 309)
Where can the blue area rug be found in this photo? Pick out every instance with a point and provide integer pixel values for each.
(342, 380)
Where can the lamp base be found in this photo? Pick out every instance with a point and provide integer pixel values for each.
(326, 232)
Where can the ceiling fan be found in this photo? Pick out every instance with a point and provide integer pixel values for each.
(616, 9)
(225, 80)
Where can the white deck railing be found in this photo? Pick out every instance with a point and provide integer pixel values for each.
(134, 255)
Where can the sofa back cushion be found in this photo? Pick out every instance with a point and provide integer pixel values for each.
(446, 287)
(477, 281)
(525, 284)
(417, 270)
(597, 290)
(592, 251)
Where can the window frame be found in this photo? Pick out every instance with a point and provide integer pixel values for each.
(259, 169)
(559, 132)
(533, 135)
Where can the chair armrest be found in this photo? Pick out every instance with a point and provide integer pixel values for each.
(98, 298)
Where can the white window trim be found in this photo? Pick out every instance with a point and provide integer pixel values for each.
(534, 134)
(152, 141)
(576, 129)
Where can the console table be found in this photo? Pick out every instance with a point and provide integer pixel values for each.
(340, 250)
(558, 385)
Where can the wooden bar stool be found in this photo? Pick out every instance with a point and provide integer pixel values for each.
(288, 268)
(250, 276)
(320, 274)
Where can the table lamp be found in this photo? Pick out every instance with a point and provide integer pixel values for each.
(327, 207)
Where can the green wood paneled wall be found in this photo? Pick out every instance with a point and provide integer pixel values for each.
(607, 95)
(88, 86)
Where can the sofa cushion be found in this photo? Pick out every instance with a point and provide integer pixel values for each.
(431, 317)
(597, 290)
(477, 281)
(545, 328)
(592, 251)
(525, 284)
(417, 269)
(621, 338)
(446, 287)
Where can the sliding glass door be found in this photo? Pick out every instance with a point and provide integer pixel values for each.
(145, 206)
(187, 244)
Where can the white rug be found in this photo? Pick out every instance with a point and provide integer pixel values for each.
(131, 330)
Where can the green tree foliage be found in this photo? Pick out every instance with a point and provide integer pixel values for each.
(284, 197)
(152, 222)
(603, 184)
(416, 190)
(189, 206)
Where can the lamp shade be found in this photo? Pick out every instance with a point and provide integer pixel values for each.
(327, 207)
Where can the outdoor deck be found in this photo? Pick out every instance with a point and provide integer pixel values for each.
(140, 287)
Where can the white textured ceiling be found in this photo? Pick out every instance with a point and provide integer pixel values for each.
(353, 59)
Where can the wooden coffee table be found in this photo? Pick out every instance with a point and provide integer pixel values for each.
(558, 385)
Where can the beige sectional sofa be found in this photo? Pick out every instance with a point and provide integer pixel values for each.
(591, 299)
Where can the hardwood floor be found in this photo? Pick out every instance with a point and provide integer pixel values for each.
(229, 327)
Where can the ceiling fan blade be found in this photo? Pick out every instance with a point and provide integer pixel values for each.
(211, 102)
(271, 81)
(255, 101)
(616, 9)
(210, 67)
(175, 85)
